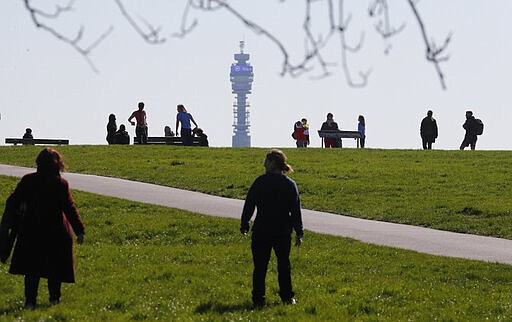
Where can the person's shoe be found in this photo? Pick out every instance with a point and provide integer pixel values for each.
(258, 304)
(291, 301)
(55, 301)
(29, 306)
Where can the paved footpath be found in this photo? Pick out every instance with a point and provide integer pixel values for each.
(423, 240)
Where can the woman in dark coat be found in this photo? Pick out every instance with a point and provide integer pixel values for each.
(111, 129)
(44, 245)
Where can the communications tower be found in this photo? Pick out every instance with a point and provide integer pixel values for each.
(241, 77)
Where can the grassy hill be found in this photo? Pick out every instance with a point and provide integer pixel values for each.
(144, 263)
(462, 191)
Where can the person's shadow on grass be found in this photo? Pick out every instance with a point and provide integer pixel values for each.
(16, 308)
(212, 306)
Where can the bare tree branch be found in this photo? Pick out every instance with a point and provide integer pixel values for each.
(57, 12)
(152, 36)
(383, 27)
(380, 8)
(342, 28)
(36, 15)
(314, 42)
(287, 67)
(434, 54)
(184, 29)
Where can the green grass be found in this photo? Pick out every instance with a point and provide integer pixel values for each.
(142, 262)
(462, 191)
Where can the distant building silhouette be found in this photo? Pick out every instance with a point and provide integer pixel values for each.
(241, 77)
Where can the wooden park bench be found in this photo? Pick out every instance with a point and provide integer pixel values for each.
(339, 134)
(16, 141)
(168, 140)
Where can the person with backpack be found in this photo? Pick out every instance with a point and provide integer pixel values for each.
(473, 127)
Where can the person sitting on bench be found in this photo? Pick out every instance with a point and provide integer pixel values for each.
(203, 138)
(121, 136)
(28, 134)
(168, 133)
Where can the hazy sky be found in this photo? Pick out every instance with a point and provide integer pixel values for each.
(47, 86)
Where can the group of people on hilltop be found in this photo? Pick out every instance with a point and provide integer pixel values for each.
(183, 118)
(301, 132)
(429, 131)
(114, 135)
(42, 203)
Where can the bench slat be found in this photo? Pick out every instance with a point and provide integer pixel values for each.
(339, 134)
(36, 141)
(171, 140)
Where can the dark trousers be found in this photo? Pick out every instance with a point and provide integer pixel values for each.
(186, 136)
(362, 140)
(469, 140)
(32, 284)
(262, 245)
(141, 131)
(427, 144)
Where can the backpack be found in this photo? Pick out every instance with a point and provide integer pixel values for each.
(479, 127)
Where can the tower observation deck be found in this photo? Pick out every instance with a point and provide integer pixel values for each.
(241, 77)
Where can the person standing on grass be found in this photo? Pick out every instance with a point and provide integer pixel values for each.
(141, 128)
(44, 214)
(361, 128)
(276, 199)
(184, 118)
(305, 125)
(111, 128)
(471, 131)
(428, 131)
(299, 136)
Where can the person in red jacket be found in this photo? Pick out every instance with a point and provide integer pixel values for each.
(299, 135)
(46, 218)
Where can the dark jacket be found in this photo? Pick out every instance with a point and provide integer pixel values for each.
(121, 137)
(470, 126)
(44, 244)
(278, 205)
(203, 139)
(111, 131)
(327, 127)
(428, 129)
(8, 233)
